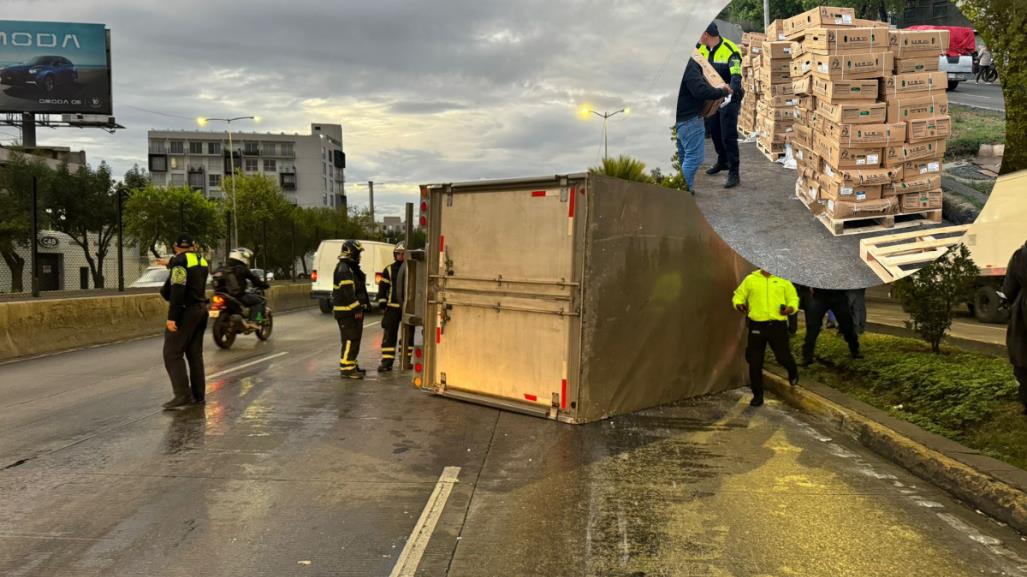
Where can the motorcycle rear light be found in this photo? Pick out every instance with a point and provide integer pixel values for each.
(418, 353)
(418, 367)
(217, 301)
(313, 276)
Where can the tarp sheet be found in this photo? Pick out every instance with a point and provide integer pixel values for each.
(961, 39)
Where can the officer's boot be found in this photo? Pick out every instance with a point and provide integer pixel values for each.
(351, 373)
(386, 366)
(732, 179)
(716, 168)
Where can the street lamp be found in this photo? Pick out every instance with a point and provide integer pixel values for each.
(203, 121)
(606, 116)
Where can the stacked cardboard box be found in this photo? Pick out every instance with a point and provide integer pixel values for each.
(752, 59)
(775, 107)
(871, 122)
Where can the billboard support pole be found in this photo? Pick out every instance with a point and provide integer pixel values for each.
(35, 237)
(121, 242)
(28, 130)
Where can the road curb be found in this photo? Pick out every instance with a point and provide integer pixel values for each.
(995, 488)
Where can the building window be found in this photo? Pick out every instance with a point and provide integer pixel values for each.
(158, 147)
(270, 149)
(251, 148)
(196, 180)
(270, 165)
(288, 149)
(287, 180)
(177, 147)
(251, 165)
(214, 180)
(158, 163)
(195, 148)
(213, 148)
(174, 162)
(177, 179)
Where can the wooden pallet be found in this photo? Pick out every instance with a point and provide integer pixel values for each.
(771, 156)
(872, 224)
(894, 256)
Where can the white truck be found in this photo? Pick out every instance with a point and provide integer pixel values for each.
(376, 256)
(1000, 229)
(574, 297)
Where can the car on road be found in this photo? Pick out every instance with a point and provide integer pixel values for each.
(45, 72)
(152, 277)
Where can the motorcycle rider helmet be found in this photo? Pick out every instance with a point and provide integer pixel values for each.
(351, 250)
(399, 251)
(242, 254)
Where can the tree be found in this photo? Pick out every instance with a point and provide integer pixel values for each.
(1003, 25)
(265, 219)
(931, 294)
(623, 167)
(16, 210)
(82, 205)
(155, 216)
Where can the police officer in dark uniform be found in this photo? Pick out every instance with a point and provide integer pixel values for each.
(390, 300)
(820, 302)
(185, 291)
(722, 127)
(349, 298)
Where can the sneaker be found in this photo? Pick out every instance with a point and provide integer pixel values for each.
(756, 401)
(716, 168)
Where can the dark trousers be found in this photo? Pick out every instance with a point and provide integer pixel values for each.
(761, 334)
(351, 329)
(723, 130)
(816, 308)
(187, 344)
(392, 318)
(254, 303)
(1021, 377)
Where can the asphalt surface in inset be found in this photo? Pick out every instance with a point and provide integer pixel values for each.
(289, 471)
(764, 222)
(987, 96)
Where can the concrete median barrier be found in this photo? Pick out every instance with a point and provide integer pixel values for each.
(29, 328)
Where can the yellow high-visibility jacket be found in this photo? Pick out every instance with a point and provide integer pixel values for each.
(764, 296)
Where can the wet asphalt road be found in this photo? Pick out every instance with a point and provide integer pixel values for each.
(987, 96)
(289, 472)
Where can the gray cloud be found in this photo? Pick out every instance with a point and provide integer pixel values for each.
(426, 91)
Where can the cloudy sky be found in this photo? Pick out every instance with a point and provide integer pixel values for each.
(426, 90)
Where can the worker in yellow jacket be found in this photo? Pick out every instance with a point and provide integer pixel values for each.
(768, 301)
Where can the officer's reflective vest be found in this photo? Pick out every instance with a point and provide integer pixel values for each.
(726, 59)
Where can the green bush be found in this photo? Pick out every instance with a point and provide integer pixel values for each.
(966, 396)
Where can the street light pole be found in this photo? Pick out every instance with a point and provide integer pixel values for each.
(202, 121)
(606, 116)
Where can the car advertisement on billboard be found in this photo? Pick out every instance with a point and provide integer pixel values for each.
(54, 68)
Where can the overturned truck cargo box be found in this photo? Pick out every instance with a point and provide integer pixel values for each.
(576, 297)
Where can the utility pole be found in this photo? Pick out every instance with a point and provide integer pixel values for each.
(28, 130)
(370, 196)
(766, 17)
(121, 242)
(35, 237)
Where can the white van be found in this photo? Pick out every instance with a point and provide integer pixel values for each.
(376, 256)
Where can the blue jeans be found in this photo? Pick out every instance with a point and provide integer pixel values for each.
(691, 149)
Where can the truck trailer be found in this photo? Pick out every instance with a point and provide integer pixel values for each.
(575, 297)
(992, 239)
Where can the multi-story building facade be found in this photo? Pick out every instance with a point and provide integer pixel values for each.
(310, 169)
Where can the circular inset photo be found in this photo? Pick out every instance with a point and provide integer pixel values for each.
(843, 148)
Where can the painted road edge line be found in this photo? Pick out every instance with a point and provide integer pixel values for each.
(246, 365)
(410, 558)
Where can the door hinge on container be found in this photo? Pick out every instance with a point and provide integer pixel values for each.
(442, 382)
(554, 410)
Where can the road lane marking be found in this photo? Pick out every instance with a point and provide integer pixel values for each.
(246, 365)
(410, 558)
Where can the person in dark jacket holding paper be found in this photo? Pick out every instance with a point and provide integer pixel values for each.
(726, 59)
(1015, 290)
(186, 293)
(690, 126)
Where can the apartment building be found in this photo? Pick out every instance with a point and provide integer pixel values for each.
(309, 168)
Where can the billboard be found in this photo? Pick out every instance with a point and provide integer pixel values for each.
(54, 68)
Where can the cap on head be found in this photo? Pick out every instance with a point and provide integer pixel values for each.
(184, 241)
(712, 29)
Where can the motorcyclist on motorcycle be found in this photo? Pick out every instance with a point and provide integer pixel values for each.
(232, 279)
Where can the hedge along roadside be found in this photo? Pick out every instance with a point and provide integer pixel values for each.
(29, 328)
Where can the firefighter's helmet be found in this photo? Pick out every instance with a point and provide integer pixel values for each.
(351, 250)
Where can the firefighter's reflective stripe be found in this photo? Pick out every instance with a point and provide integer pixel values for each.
(388, 352)
(394, 305)
(344, 283)
(385, 280)
(351, 307)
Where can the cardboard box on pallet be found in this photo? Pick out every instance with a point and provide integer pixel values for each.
(803, 86)
(863, 134)
(822, 17)
(803, 134)
(853, 66)
(920, 201)
(854, 112)
(861, 176)
(900, 154)
(835, 189)
(913, 83)
(916, 183)
(751, 39)
(916, 106)
(846, 40)
(882, 207)
(842, 90)
(801, 66)
(911, 43)
(776, 31)
(931, 128)
(916, 64)
(840, 156)
(780, 89)
(922, 167)
(777, 50)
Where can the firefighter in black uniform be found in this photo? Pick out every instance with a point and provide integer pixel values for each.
(390, 300)
(185, 291)
(722, 127)
(349, 298)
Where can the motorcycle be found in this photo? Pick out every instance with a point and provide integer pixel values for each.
(230, 315)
